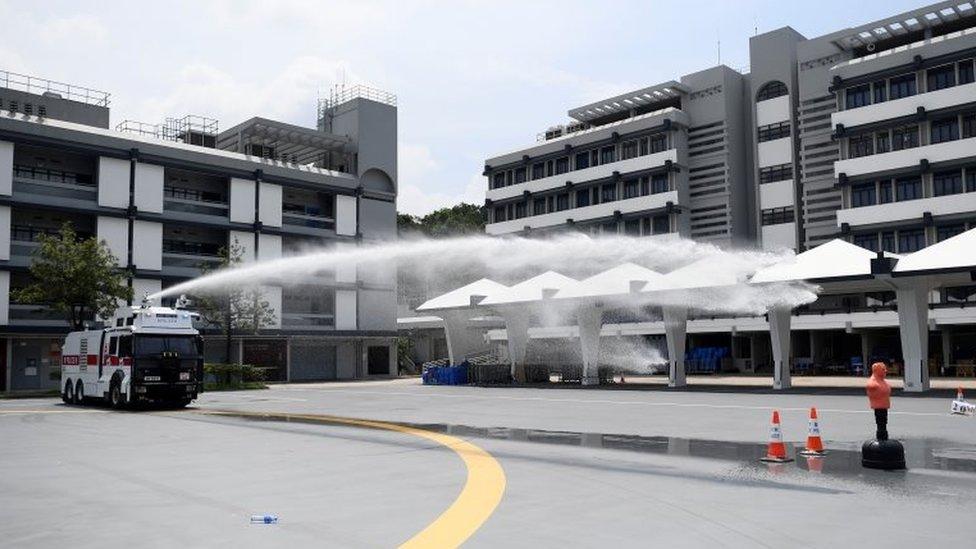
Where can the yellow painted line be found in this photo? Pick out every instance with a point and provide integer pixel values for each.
(482, 490)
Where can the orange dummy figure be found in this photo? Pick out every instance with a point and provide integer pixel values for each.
(879, 395)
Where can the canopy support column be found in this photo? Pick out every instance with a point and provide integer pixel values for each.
(675, 332)
(913, 326)
(462, 340)
(590, 321)
(779, 334)
(517, 334)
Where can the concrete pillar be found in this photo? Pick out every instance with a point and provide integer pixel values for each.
(779, 335)
(590, 320)
(866, 350)
(913, 325)
(675, 332)
(517, 333)
(947, 357)
(462, 340)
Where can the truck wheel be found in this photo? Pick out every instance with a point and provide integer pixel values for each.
(115, 396)
(68, 394)
(79, 392)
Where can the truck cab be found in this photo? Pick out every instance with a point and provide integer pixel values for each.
(145, 354)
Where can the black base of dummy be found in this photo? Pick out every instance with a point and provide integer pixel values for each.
(888, 455)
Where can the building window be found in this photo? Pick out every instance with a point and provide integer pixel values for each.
(519, 210)
(628, 150)
(608, 193)
(632, 227)
(562, 202)
(880, 91)
(631, 188)
(645, 186)
(905, 137)
(882, 142)
(549, 170)
(582, 160)
(884, 192)
(971, 179)
(520, 175)
(644, 146)
(902, 86)
(911, 240)
(858, 96)
(944, 183)
(776, 173)
(607, 155)
(659, 143)
(499, 214)
(860, 146)
(966, 72)
(538, 171)
(942, 77)
(969, 125)
(774, 131)
(659, 183)
(609, 228)
(867, 241)
(888, 241)
(771, 90)
(539, 206)
(661, 224)
(562, 165)
(908, 188)
(498, 180)
(944, 232)
(863, 195)
(945, 129)
(582, 198)
(776, 216)
(959, 294)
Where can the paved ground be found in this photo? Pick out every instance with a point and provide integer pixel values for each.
(583, 468)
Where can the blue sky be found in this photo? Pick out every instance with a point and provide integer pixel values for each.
(473, 77)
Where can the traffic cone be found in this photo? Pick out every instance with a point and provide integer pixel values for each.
(815, 464)
(814, 443)
(959, 396)
(776, 450)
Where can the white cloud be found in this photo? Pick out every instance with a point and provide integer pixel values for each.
(413, 199)
(81, 28)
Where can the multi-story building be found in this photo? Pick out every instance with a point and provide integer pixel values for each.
(669, 159)
(166, 198)
(866, 134)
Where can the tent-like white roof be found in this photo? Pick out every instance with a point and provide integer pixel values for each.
(531, 289)
(836, 259)
(615, 281)
(461, 297)
(953, 254)
(704, 273)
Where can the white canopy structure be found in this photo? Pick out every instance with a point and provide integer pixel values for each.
(953, 255)
(834, 260)
(457, 308)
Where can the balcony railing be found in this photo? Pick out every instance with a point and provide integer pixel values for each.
(35, 315)
(40, 86)
(306, 216)
(194, 201)
(53, 182)
(308, 321)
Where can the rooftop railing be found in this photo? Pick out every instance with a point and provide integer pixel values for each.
(43, 86)
(340, 95)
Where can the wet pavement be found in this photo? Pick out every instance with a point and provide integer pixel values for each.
(583, 468)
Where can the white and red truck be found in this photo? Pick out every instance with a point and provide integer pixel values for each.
(144, 354)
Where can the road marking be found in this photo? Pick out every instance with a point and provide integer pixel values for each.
(631, 402)
(482, 490)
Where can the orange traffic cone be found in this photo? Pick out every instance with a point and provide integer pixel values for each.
(814, 443)
(776, 450)
(815, 464)
(959, 396)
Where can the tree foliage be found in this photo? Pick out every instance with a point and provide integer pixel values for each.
(79, 278)
(236, 310)
(459, 220)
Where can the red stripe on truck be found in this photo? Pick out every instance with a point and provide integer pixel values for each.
(92, 360)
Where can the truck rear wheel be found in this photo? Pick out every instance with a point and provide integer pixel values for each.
(79, 392)
(68, 393)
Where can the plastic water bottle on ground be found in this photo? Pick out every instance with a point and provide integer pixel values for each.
(264, 519)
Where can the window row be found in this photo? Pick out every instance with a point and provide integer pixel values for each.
(911, 188)
(774, 131)
(776, 216)
(940, 130)
(626, 150)
(901, 241)
(905, 85)
(583, 197)
(781, 172)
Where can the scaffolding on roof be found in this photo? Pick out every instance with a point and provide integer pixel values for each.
(51, 88)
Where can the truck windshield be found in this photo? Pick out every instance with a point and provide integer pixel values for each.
(154, 345)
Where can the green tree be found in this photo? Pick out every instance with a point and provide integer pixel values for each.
(237, 310)
(79, 278)
(459, 220)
